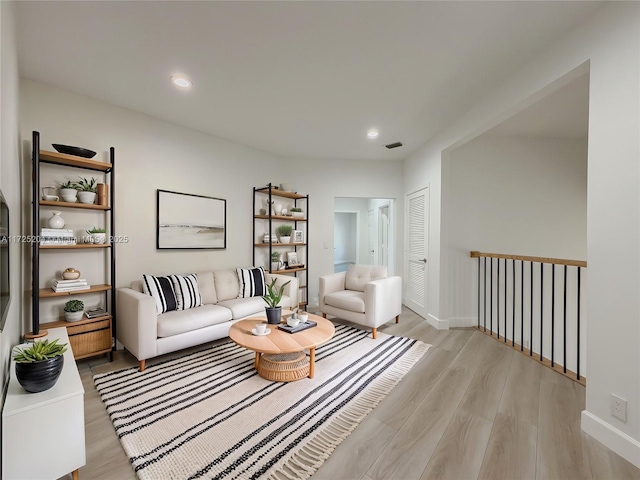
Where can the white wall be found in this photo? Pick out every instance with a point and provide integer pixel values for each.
(152, 154)
(608, 46)
(10, 175)
(514, 195)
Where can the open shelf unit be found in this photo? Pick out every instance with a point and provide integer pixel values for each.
(267, 222)
(88, 337)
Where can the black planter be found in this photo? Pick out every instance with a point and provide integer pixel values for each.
(273, 315)
(39, 376)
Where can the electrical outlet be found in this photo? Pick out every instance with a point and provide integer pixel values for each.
(526, 344)
(619, 407)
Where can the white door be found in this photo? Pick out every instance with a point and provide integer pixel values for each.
(371, 252)
(383, 235)
(417, 215)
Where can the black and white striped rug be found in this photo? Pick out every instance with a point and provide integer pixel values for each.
(209, 415)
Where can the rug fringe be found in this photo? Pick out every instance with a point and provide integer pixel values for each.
(306, 461)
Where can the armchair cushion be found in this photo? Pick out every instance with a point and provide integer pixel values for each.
(359, 275)
(346, 299)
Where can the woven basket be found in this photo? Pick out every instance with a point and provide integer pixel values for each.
(283, 367)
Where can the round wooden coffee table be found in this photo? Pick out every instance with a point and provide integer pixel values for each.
(280, 355)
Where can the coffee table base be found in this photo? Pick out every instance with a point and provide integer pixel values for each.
(283, 367)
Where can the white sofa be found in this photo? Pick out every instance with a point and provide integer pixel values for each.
(363, 294)
(146, 334)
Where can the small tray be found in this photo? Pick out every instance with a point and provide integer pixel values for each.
(298, 328)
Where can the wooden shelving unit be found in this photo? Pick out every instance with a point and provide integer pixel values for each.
(266, 223)
(88, 337)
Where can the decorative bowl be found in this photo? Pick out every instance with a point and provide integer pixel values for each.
(71, 274)
(71, 150)
(293, 322)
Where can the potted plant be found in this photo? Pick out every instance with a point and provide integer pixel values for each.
(97, 235)
(73, 310)
(297, 212)
(39, 365)
(272, 299)
(68, 191)
(87, 190)
(275, 261)
(284, 233)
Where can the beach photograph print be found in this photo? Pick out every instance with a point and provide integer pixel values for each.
(191, 221)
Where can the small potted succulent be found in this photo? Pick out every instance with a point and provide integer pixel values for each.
(297, 212)
(275, 261)
(39, 365)
(73, 310)
(97, 235)
(272, 299)
(284, 233)
(86, 190)
(69, 191)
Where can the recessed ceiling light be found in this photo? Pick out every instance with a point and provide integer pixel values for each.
(181, 81)
(373, 133)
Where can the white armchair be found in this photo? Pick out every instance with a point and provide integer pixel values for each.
(363, 294)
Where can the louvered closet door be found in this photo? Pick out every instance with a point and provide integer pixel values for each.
(417, 249)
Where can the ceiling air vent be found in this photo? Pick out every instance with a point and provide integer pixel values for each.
(394, 145)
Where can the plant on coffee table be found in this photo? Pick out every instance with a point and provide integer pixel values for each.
(272, 299)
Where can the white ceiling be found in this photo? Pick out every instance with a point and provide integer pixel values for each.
(298, 79)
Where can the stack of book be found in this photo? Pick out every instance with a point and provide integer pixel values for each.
(70, 285)
(57, 236)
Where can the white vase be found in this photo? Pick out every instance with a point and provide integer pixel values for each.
(87, 197)
(278, 209)
(285, 239)
(55, 221)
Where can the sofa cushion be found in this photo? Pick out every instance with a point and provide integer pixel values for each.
(350, 300)
(359, 275)
(207, 288)
(181, 321)
(251, 282)
(161, 289)
(243, 307)
(187, 292)
(226, 282)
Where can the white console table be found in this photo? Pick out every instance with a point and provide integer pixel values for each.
(43, 433)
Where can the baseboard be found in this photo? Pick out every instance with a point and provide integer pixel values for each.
(463, 322)
(437, 323)
(615, 440)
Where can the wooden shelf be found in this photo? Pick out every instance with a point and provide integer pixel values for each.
(289, 270)
(281, 244)
(281, 217)
(90, 206)
(280, 193)
(85, 321)
(81, 246)
(73, 161)
(48, 292)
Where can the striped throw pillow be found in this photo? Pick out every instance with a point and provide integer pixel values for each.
(187, 291)
(251, 282)
(161, 289)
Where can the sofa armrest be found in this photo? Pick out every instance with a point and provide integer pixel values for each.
(382, 300)
(331, 283)
(137, 323)
(291, 290)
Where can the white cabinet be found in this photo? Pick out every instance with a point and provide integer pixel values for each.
(43, 433)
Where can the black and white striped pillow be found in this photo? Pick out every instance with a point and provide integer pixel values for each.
(251, 282)
(161, 289)
(187, 291)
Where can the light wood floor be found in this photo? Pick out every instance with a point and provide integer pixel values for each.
(472, 408)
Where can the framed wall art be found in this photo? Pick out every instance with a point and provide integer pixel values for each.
(190, 221)
(297, 236)
(292, 259)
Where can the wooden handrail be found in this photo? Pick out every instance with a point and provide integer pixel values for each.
(557, 261)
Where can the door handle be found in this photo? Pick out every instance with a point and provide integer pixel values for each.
(423, 260)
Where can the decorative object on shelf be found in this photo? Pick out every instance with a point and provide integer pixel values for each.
(57, 236)
(269, 238)
(95, 312)
(272, 299)
(297, 236)
(292, 259)
(103, 194)
(71, 150)
(296, 212)
(69, 191)
(49, 194)
(97, 236)
(278, 208)
(55, 221)
(285, 187)
(39, 365)
(284, 211)
(263, 211)
(87, 190)
(71, 274)
(73, 310)
(284, 233)
(275, 261)
(190, 221)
